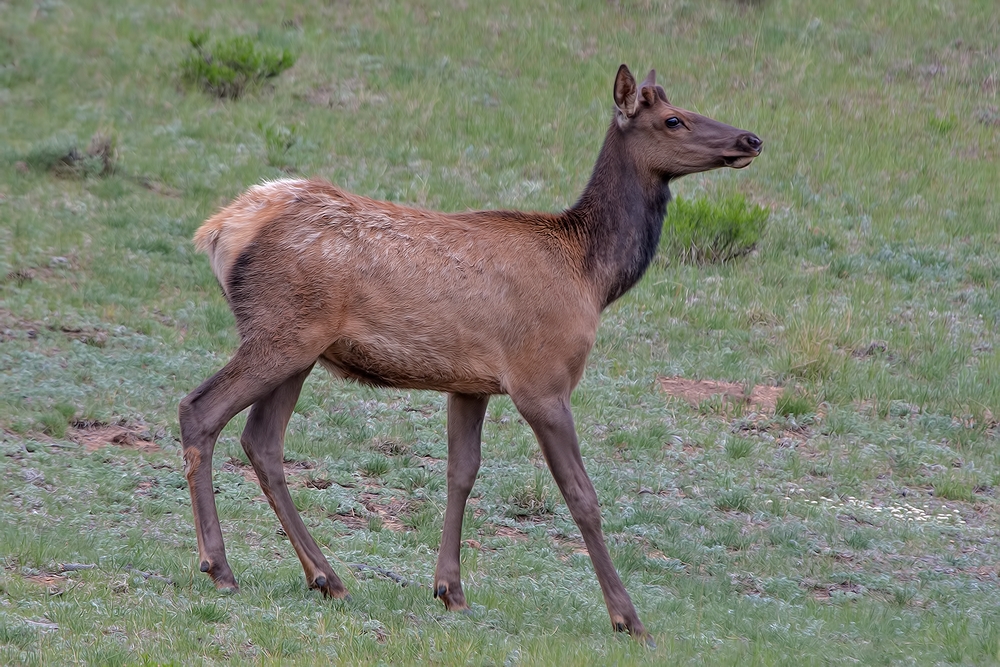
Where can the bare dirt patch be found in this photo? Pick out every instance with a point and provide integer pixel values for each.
(46, 579)
(571, 546)
(825, 591)
(86, 335)
(93, 435)
(763, 398)
(353, 521)
(389, 510)
(54, 584)
(350, 94)
(511, 533)
(11, 326)
(293, 469)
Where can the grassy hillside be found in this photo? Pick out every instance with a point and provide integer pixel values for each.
(854, 521)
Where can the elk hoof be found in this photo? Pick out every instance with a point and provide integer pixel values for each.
(329, 591)
(636, 630)
(453, 600)
(221, 575)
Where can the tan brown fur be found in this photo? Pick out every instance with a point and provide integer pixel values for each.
(375, 285)
(472, 304)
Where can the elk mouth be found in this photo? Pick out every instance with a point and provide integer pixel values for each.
(738, 161)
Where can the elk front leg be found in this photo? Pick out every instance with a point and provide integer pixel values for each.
(551, 420)
(465, 427)
(263, 441)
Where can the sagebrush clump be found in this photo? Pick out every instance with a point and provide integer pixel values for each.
(63, 156)
(232, 66)
(708, 232)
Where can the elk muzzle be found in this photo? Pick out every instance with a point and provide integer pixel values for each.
(748, 146)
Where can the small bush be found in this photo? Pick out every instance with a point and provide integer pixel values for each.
(233, 66)
(707, 232)
(63, 157)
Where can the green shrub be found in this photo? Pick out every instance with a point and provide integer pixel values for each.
(706, 231)
(63, 157)
(232, 66)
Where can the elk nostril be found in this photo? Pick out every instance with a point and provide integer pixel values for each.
(753, 141)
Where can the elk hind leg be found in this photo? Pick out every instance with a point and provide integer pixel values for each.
(263, 441)
(202, 414)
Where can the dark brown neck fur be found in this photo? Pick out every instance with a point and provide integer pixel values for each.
(618, 219)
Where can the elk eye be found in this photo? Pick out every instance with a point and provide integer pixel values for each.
(673, 122)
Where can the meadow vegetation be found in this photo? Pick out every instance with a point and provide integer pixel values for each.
(852, 519)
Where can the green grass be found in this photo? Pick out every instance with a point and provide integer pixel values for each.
(858, 523)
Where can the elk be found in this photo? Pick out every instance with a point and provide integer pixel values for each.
(473, 304)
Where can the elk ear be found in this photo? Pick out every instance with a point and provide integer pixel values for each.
(647, 89)
(625, 93)
(662, 94)
(648, 95)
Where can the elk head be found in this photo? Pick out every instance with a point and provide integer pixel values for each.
(669, 142)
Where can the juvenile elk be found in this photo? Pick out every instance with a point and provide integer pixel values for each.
(472, 304)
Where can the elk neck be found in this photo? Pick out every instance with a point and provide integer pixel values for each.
(618, 219)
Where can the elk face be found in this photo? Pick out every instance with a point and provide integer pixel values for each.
(669, 142)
